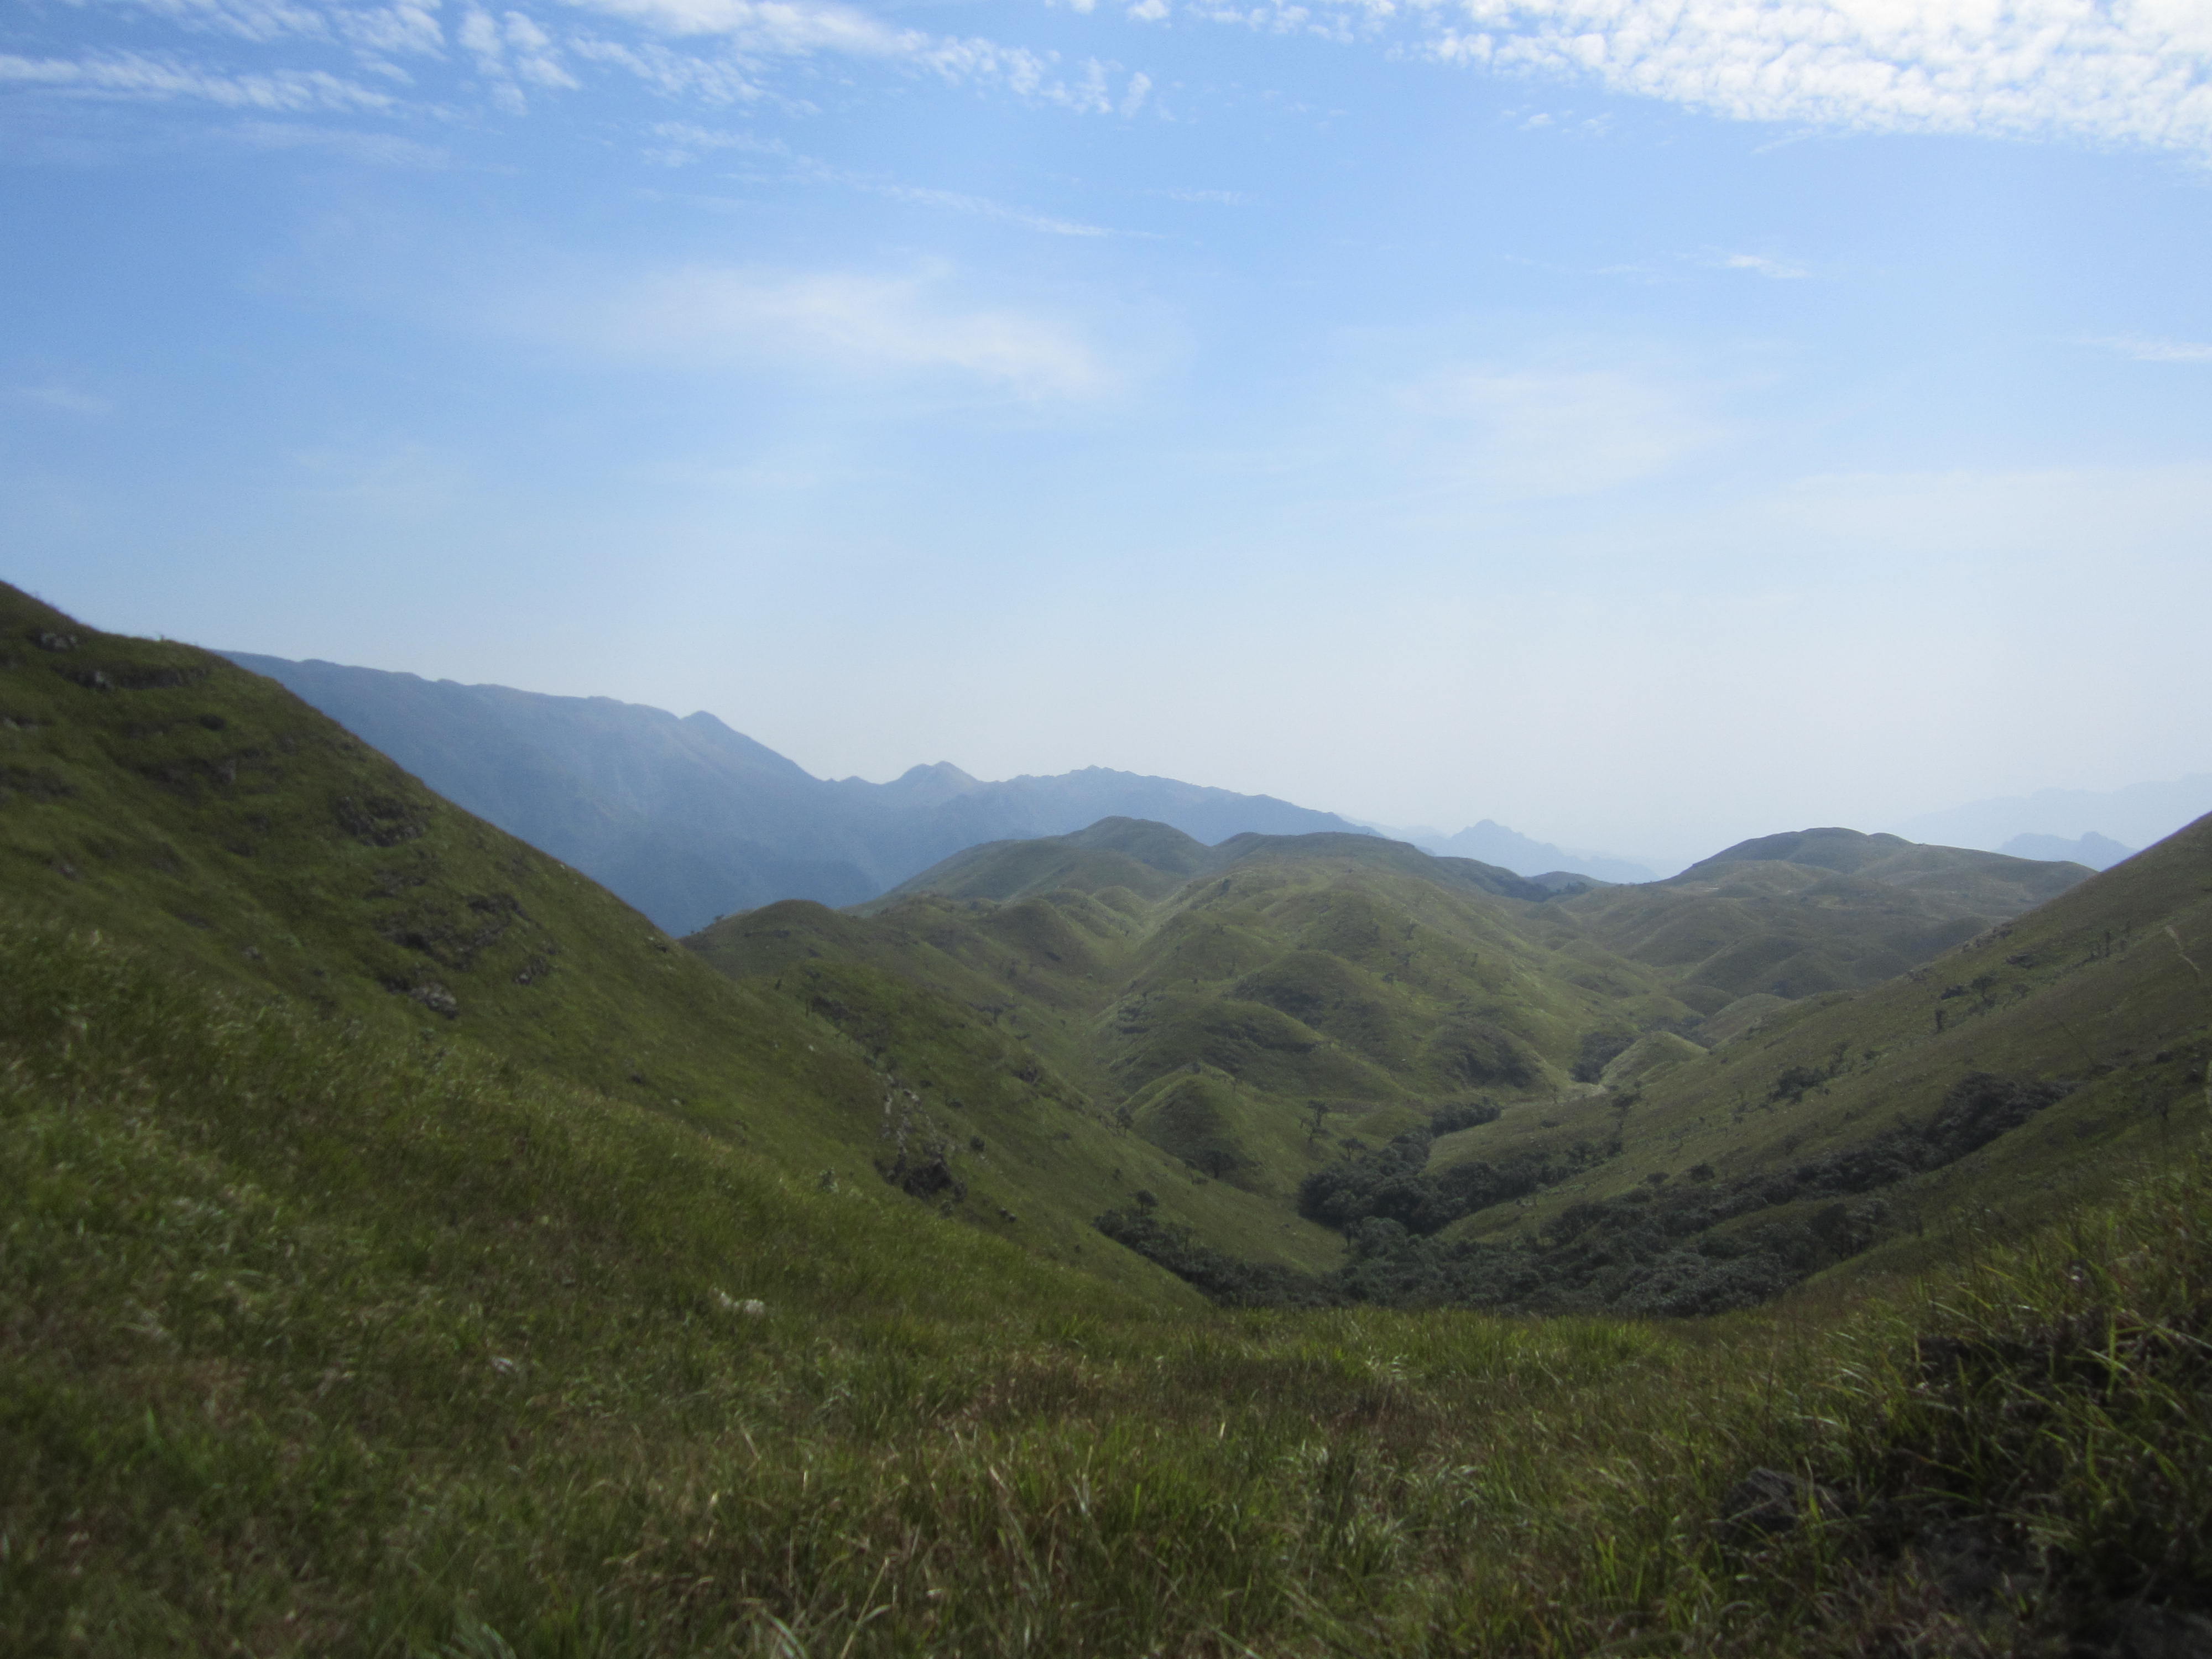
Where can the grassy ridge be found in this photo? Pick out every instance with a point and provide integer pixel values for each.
(1251, 1023)
(1271, 1021)
(1811, 911)
(164, 795)
(315, 1341)
(366, 1290)
(2098, 989)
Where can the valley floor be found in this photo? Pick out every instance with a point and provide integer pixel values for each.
(319, 1340)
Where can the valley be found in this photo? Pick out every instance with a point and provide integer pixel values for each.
(1108, 1242)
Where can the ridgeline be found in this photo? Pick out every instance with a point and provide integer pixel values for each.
(1105, 1244)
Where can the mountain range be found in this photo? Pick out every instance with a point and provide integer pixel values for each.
(2095, 851)
(411, 1249)
(1275, 1010)
(688, 819)
(1493, 843)
(2095, 822)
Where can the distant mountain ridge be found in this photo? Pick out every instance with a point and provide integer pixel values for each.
(688, 819)
(1152, 860)
(2098, 851)
(1492, 842)
(2136, 816)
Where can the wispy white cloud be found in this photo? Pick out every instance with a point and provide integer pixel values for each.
(2128, 70)
(66, 400)
(684, 143)
(786, 27)
(403, 27)
(807, 169)
(861, 324)
(510, 51)
(2110, 70)
(2154, 352)
(711, 51)
(806, 29)
(1760, 265)
(677, 75)
(979, 207)
(136, 76)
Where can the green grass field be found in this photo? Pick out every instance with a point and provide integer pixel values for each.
(321, 1341)
(619, 1308)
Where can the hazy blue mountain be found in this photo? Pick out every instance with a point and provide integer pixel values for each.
(2136, 816)
(1491, 843)
(2098, 851)
(689, 820)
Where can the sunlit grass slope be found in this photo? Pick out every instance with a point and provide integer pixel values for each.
(162, 793)
(166, 796)
(317, 1339)
(1809, 912)
(407, 1251)
(2098, 998)
(1296, 997)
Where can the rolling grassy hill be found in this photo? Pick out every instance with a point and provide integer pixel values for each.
(1855, 1126)
(1796, 915)
(1485, 1101)
(1253, 1008)
(169, 797)
(408, 1251)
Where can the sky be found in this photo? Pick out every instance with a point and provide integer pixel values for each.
(1646, 425)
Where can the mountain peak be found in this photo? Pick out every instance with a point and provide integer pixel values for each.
(926, 785)
(1831, 848)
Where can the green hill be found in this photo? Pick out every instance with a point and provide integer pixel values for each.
(318, 1341)
(366, 1290)
(1256, 1010)
(168, 796)
(2087, 1018)
(1484, 1103)
(1810, 911)
(2015, 1076)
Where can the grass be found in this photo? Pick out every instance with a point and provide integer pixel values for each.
(321, 1339)
(2093, 988)
(1342, 982)
(571, 1320)
(1278, 1016)
(161, 794)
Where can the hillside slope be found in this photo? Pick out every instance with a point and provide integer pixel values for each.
(356, 1300)
(1257, 1010)
(1382, 1044)
(2013, 1077)
(314, 1341)
(166, 797)
(1810, 911)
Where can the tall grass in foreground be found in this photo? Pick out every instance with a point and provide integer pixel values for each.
(319, 1343)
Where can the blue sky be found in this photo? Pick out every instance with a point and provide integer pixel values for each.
(1646, 425)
